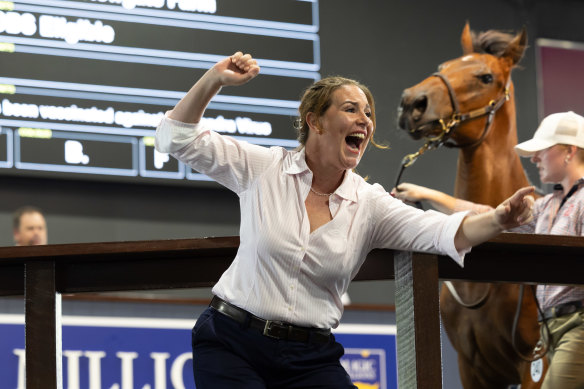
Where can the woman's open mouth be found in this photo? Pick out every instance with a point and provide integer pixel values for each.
(354, 141)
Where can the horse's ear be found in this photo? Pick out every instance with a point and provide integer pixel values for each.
(466, 40)
(517, 47)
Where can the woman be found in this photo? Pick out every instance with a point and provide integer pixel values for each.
(557, 149)
(307, 224)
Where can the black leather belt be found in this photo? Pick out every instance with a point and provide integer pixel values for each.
(562, 309)
(271, 328)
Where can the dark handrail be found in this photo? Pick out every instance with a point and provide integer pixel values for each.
(139, 265)
(41, 273)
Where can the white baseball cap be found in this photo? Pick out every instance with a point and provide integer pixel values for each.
(558, 128)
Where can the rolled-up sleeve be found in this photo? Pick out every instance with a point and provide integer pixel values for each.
(232, 163)
(445, 239)
(402, 227)
(172, 135)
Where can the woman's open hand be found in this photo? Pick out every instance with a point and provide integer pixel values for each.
(516, 210)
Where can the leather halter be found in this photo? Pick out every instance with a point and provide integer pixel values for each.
(458, 117)
(449, 125)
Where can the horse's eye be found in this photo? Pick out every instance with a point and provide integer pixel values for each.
(486, 78)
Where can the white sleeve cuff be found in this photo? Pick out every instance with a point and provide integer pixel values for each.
(173, 135)
(447, 237)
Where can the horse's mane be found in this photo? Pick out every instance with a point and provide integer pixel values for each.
(495, 42)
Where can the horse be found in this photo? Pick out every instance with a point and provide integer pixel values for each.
(469, 104)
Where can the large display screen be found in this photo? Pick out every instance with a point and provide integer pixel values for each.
(84, 83)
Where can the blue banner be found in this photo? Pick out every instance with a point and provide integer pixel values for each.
(146, 353)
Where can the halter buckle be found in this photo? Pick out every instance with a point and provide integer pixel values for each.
(409, 159)
(454, 121)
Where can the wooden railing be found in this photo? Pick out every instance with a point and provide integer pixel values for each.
(43, 273)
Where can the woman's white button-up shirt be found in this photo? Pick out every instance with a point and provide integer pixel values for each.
(282, 271)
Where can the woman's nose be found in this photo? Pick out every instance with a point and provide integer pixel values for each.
(363, 118)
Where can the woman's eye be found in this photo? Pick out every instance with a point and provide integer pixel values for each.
(486, 78)
(368, 114)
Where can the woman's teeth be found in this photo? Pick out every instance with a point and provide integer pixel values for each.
(354, 140)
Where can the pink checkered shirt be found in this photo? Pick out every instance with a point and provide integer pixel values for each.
(549, 219)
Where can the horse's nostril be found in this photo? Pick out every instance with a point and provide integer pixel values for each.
(419, 107)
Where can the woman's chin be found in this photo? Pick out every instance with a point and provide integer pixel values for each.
(350, 161)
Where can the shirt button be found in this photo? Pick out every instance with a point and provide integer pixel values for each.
(289, 308)
(291, 286)
(302, 248)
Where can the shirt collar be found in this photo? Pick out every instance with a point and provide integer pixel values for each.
(348, 188)
(296, 164)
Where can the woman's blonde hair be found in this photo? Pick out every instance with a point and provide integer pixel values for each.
(579, 152)
(317, 99)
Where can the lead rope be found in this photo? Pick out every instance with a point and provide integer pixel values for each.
(408, 161)
(542, 346)
(475, 305)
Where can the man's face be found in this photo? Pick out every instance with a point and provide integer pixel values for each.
(32, 230)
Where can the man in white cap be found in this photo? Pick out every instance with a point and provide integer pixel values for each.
(557, 149)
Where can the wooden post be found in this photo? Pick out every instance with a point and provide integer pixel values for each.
(419, 361)
(42, 326)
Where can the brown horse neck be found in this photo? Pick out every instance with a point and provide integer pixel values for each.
(492, 171)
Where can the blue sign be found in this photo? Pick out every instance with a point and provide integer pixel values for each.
(370, 355)
(146, 353)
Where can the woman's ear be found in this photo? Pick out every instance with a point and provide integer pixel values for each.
(313, 122)
(572, 151)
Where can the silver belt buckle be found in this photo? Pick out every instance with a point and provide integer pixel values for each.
(268, 328)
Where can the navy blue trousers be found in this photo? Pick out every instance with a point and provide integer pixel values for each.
(226, 355)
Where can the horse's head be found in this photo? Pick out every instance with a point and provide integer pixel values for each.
(458, 98)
